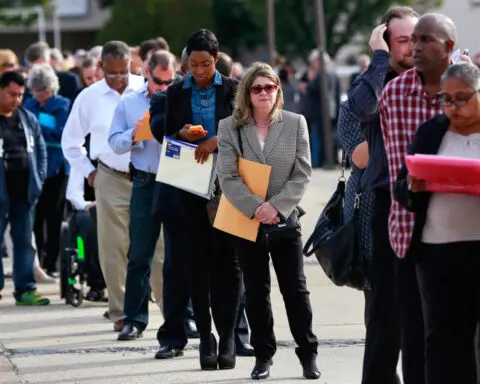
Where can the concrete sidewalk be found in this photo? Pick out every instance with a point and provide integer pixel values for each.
(62, 344)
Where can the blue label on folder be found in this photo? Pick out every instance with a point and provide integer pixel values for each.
(173, 151)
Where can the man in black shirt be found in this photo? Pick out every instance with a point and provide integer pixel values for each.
(23, 162)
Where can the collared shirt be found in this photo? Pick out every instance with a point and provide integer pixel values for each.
(404, 105)
(76, 189)
(92, 112)
(204, 103)
(145, 155)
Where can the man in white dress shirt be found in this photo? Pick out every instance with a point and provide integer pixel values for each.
(92, 113)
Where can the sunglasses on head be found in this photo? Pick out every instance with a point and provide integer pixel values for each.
(269, 88)
(157, 81)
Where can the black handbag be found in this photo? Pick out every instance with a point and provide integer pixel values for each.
(285, 229)
(336, 242)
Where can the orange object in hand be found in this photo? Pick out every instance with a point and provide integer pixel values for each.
(196, 129)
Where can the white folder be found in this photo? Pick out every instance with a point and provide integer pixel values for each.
(179, 168)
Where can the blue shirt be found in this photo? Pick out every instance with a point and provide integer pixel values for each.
(203, 103)
(145, 155)
(52, 117)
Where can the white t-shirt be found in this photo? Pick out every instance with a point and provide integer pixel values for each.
(454, 217)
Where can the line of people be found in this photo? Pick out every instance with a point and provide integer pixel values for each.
(424, 295)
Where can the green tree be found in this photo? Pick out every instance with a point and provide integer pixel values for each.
(243, 23)
(134, 21)
(9, 18)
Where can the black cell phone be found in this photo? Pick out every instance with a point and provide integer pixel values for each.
(386, 37)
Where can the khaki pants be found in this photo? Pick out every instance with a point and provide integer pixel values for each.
(113, 192)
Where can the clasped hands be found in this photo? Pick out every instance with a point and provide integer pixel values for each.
(266, 213)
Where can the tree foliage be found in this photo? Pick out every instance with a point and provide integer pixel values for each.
(9, 18)
(243, 23)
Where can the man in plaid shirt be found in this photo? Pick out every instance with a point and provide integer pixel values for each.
(406, 102)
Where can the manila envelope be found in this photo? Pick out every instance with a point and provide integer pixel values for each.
(144, 132)
(229, 219)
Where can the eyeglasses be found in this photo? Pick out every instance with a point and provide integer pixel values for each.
(449, 102)
(115, 75)
(157, 81)
(269, 88)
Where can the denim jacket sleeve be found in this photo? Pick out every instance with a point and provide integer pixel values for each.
(364, 93)
(40, 149)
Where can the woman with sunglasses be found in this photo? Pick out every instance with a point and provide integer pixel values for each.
(203, 98)
(260, 131)
(447, 233)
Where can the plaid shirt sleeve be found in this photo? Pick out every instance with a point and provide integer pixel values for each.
(392, 115)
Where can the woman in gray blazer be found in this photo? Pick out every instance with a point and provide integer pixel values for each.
(259, 130)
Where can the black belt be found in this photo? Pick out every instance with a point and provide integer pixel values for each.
(146, 175)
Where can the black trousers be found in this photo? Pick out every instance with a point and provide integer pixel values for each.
(48, 220)
(215, 274)
(382, 343)
(287, 260)
(395, 320)
(176, 282)
(203, 257)
(448, 276)
(86, 225)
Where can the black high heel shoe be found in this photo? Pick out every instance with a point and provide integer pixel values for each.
(208, 353)
(226, 352)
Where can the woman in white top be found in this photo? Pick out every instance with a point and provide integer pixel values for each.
(447, 228)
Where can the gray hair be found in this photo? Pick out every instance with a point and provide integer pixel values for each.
(162, 59)
(184, 58)
(42, 76)
(37, 51)
(116, 49)
(465, 72)
(95, 52)
(57, 55)
(445, 27)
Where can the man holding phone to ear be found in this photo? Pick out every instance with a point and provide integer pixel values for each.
(391, 44)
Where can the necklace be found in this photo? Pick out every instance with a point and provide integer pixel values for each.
(260, 125)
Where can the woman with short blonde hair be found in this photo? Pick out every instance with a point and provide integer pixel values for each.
(260, 131)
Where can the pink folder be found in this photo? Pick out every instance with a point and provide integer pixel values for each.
(446, 174)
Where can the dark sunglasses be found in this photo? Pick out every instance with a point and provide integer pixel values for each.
(269, 88)
(157, 81)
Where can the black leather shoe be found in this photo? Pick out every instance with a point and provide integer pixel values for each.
(226, 352)
(310, 370)
(129, 332)
(168, 352)
(191, 329)
(245, 350)
(261, 370)
(208, 352)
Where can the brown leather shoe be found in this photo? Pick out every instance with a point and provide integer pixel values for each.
(118, 325)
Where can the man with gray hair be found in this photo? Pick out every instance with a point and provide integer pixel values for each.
(92, 113)
(40, 52)
(129, 133)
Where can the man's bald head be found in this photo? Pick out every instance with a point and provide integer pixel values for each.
(439, 24)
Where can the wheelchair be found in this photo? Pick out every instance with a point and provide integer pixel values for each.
(72, 263)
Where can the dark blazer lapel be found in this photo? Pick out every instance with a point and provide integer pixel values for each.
(186, 103)
(274, 133)
(220, 97)
(252, 139)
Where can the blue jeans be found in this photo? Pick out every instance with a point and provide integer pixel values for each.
(20, 215)
(144, 232)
